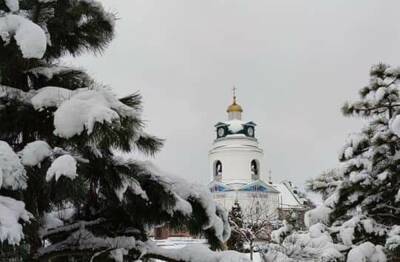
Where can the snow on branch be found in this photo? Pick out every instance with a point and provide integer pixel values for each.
(12, 172)
(12, 176)
(50, 96)
(185, 192)
(70, 227)
(78, 111)
(29, 36)
(132, 185)
(11, 212)
(83, 241)
(51, 71)
(87, 107)
(192, 253)
(12, 93)
(13, 5)
(64, 165)
(35, 152)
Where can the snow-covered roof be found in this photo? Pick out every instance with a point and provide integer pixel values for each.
(235, 125)
(260, 186)
(288, 198)
(236, 184)
(216, 186)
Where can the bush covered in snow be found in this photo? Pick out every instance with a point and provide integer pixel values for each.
(314, 245)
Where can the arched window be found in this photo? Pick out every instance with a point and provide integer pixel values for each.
(217, 170)
(254, 170)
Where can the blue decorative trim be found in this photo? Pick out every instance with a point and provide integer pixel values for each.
(219, 188)
(254, 188)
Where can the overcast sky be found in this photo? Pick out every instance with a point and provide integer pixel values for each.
(294, 64)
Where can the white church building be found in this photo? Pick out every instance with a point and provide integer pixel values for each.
(238, 171)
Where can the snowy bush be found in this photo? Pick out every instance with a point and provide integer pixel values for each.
(317, 215)
(393, 241)
(314, 245)
(280, 234)
(366, 252)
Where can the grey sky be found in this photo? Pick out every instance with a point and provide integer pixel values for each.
(294, 64)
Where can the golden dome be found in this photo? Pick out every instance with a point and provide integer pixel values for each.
(234, 107)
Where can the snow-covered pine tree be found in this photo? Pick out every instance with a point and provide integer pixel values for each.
(366, 204)
(363, 211)
(235, 216)
(83, 200)
(326, 183)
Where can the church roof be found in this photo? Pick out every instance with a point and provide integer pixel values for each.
(258, 186)
(216, 186)
(235, 125)
(288, 197)
(234, 107)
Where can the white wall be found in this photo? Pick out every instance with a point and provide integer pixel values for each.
(236, 153)
(269, 202)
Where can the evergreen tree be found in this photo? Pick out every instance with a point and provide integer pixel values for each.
(60, 131)
(326, 183)
(235, 216)
(362, 199)
(366, 203)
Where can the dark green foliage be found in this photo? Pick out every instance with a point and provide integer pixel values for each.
(370, 174)
(67, 77)
(382, 76)
(236, 241)
(326, 183)
(73, 27)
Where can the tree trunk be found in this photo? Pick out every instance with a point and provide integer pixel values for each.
(251, 250)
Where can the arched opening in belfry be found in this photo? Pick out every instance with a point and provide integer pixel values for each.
(254, 169)
(217, 170)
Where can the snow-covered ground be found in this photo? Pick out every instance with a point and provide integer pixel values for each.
(180, 242)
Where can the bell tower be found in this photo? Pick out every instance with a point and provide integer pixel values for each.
(236, 169)
(235, 155)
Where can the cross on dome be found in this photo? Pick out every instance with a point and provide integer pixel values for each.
(234, 110)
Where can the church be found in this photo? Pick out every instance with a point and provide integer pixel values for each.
(237, 171)
(237, 174)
